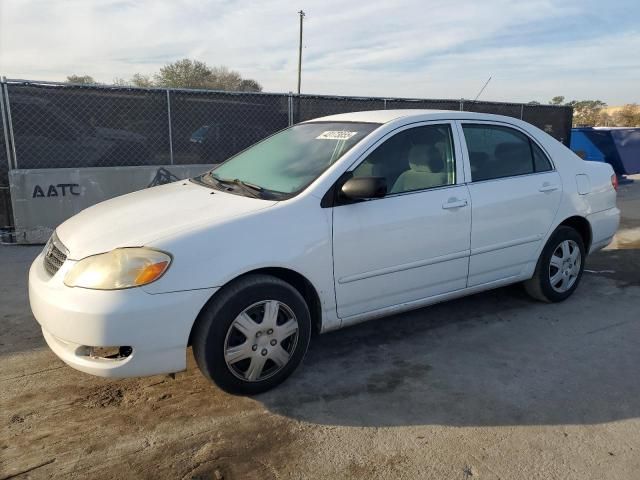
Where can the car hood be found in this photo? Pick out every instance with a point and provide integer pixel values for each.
(138, 218)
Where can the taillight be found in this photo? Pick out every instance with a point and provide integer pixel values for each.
(614, 181)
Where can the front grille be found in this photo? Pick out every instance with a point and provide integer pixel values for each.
(55, 255)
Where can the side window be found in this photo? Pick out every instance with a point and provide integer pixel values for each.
(540, 160)
(496, 152)
(414, 159)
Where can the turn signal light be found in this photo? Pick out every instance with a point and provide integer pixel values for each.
(614, 182)
(151, 273)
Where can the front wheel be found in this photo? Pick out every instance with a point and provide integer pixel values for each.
(252, 335)
(559, 267)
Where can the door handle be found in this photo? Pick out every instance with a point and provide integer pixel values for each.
(547, 187)
(454, 203)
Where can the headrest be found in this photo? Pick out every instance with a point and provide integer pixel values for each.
(426, 158)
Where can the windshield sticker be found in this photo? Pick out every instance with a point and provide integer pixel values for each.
(335, 135)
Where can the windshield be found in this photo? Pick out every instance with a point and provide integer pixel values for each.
(285, 163)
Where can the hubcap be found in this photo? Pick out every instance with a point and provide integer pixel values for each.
(261, 340)
(564, 266)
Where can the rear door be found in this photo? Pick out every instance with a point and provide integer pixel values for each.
(515, 193)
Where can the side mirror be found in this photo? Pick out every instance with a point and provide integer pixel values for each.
(362, 188)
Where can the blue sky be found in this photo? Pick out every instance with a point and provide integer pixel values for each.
(533, 49)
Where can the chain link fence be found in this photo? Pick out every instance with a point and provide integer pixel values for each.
(5, 156)
(210, 127)
(57, 125)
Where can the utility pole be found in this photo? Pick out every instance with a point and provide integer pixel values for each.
(301, 13)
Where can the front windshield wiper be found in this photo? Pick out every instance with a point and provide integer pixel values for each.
(250, 188)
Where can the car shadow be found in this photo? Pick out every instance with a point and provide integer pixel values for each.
(495, 358)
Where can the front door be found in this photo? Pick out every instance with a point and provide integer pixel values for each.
(413, 243)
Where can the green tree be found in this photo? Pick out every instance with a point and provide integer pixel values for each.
(604, 120)
(586, 112)
(250, 85)
(184, 73)
(627, 116)
(81, 79)
(187, 73)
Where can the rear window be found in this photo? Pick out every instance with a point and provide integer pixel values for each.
(497, 152)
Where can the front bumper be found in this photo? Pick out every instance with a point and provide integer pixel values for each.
(156, 326)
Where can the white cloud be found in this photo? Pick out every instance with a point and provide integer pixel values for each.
(433, 49)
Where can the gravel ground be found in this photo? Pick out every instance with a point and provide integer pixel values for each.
(490, 386)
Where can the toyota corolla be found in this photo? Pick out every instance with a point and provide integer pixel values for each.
(325, 224)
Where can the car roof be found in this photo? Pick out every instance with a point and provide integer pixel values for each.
(386, 116)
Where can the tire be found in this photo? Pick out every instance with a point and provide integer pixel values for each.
(556, 282)
(242, 337)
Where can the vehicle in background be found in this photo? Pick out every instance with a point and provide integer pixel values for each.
(325, 224)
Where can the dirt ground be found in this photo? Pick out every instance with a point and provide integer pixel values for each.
(490, 386)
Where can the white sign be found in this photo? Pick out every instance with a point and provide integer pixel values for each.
(336, 135)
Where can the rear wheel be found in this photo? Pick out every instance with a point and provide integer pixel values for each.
(252, 335)
(559, 267)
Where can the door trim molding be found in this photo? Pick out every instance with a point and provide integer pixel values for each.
(413, 305)
(404, 266)
(510, 243)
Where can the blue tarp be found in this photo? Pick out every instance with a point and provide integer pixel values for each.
(620, 147)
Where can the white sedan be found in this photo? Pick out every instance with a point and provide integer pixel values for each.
(325, 224)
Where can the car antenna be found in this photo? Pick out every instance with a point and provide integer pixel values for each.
(482, 89)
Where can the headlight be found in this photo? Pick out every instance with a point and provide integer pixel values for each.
(120, 268)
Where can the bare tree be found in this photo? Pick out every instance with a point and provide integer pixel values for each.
(81, 79)
(221, 78)
(139, 80)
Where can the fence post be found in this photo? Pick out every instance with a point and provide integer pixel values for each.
(10, 122)
(4, 119)
(461, 104)
(290, 108)
(521, 111)
(385, 103)
(170, 129)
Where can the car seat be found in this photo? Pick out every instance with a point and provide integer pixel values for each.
(426, 170)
